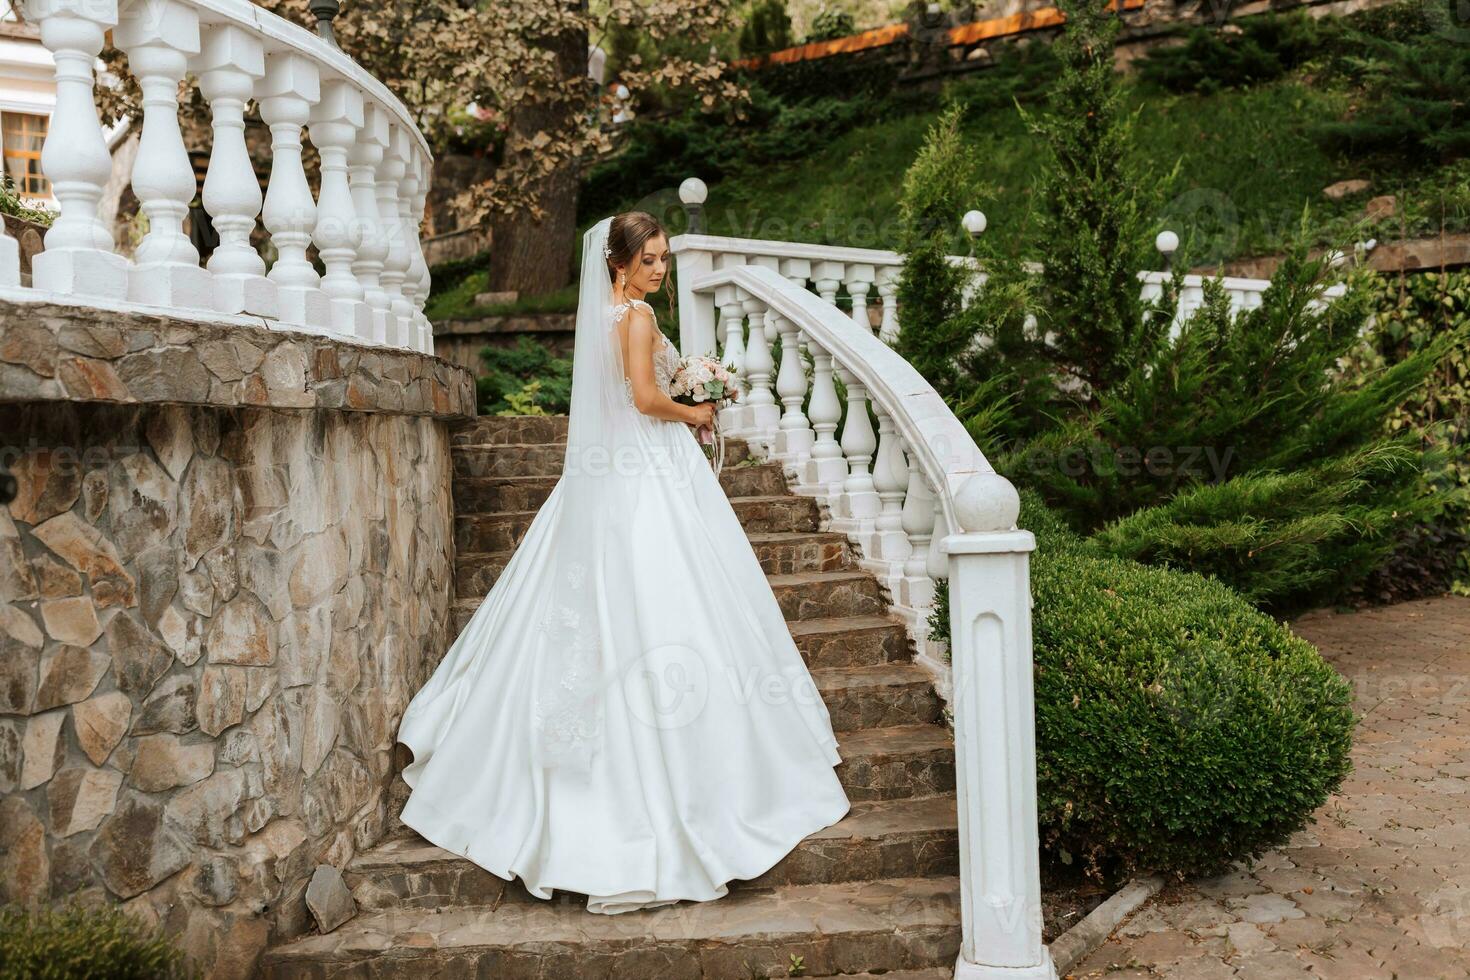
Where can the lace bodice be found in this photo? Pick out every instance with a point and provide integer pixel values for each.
(665, 355)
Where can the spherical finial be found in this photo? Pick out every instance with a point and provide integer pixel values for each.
(1167, 242)
(974, 222)
(693, 191)
(987, 502)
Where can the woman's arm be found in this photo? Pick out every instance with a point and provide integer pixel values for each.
(648, 398)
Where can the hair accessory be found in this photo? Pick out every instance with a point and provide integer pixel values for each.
(606, 250)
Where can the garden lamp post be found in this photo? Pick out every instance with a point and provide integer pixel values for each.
(1167, 243)
(325, 11)
(974, 222)
(693, 193)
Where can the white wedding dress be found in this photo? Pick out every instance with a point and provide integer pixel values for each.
(626, 715)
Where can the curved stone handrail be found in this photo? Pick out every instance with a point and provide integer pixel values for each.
(944, 449)
(364, 221)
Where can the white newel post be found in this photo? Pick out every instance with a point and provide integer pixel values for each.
(78, 257)
(230, 62)
(159, 37)
(291, 87)
(362, 172)
(696, 313)
(395, 266)
(335, 122)
(420, 262)
(995, 736)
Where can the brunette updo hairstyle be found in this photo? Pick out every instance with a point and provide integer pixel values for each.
(625, 238)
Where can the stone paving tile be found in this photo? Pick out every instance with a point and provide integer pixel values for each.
(1379, 886)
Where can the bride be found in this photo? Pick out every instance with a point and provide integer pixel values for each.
(626, 715)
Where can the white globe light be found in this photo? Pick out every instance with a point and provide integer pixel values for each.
(693, 191)
(621, 91)
(974, 222)
(1167, 242)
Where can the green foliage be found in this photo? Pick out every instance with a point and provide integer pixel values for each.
(79, 943)
(1414, 89)
(1239, 447)
(1177, 729)
(936, 190)
(767, 28)
(1410, 313)
(12, 204)
(830, 24)
(1090, 205)
(1245, 52)
(522, 378)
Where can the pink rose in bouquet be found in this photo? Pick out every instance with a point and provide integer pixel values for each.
(704, 379)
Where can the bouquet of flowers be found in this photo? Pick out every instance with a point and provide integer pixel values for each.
(704, 379)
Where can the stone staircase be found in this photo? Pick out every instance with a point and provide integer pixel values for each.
(875, 894)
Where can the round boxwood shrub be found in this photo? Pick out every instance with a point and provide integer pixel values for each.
(1179, 729)
(84, 943)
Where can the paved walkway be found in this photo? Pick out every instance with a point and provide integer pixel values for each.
(1379, 887)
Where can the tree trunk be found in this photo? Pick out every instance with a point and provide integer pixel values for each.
(531, 256)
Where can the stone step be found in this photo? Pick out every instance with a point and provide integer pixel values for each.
(877, 696)
(499, 429)
(851, 641)
(906, 838)
(784, 552)
(504, 531)
(496, 494)
(538, 458)
(896, 763)
(843, 928)
(804, 595)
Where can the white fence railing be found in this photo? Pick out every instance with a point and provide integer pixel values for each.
(924, 505)
(364, 221)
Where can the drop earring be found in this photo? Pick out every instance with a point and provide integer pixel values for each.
(623, 280)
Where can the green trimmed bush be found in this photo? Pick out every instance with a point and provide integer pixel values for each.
(80, 943)
(505, 387)
(1177, 728)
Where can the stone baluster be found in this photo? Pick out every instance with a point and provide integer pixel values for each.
(231, 61)
(761, 414)
(937, 567)
(408, 193)
(891, 479)
(916, 589)
(888, 291)
(421, 263)
(395, 266)
(732, 328)
(732, 321)
(827, 277)
(159, 37)
(362, 175)
(290, 88)
(826, 468)
(335, 122)
(994, 736)
(859, 503)
(858, 280)
(795, 437)
(78, 257)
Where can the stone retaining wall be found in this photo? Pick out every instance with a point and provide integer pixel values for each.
(212, 615)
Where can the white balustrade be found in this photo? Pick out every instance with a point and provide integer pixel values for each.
(761, 414)
(371, 152)
(924, 506)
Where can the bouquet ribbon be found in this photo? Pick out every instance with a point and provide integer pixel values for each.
(714, 437)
